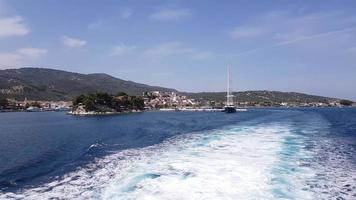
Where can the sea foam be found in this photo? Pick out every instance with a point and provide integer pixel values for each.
(259, 161)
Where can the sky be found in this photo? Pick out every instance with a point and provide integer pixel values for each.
(300, 46)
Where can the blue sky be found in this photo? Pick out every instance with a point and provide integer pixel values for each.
(301, 46)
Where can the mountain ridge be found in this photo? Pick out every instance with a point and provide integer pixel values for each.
(263, 96)
(53, 84)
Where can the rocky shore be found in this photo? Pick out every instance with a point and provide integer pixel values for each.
(96, 113)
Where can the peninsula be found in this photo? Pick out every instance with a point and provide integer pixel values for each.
(101, 103)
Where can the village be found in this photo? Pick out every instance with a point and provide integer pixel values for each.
(156, 100)
(162, 101)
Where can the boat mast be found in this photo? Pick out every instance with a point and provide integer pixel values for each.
(229, 96)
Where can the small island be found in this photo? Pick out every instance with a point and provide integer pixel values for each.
(101, 103)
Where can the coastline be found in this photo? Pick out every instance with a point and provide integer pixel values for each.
(94, 113)
(180, 110)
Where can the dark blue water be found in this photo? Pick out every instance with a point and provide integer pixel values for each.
(36, 146)
(39, 148)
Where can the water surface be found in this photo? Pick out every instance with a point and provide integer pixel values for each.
(259, 154)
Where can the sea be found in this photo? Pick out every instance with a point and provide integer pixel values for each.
(302, 153)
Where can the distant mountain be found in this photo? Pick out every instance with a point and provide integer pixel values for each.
(261, 96)
(50, 84)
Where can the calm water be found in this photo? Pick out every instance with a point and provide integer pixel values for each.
(259, 154)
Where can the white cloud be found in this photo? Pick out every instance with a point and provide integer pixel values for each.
(13, 26)
(203, 55)
(126, 13)
(309, 31)
(173, 49)
(171, 15)
(246, 31)
(95, 24)
(10, 60)
(21, 56)
(32, 52)
(299, 38)
(167, 49)
(73, 42)
(121, 50)
(282, 27)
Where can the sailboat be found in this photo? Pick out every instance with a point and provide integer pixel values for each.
(230, 107)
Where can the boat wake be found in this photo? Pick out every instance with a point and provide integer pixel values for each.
(264, 161)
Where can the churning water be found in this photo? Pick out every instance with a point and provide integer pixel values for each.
(259, 154)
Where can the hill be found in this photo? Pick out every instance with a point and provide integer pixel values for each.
(50, 84)
(261, 96)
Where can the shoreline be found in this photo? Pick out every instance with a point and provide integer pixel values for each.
(180, 110)
(93, 113)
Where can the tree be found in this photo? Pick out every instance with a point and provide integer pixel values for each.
(36, 104)
(117, 104)
(3, 103)
(89, 104)
(345, 102)
(121, 94)
(138, 103)
(103, 98)
(126, 101)
(103, 102)
(78, 100)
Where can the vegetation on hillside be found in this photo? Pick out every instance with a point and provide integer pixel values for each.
(49, 84)
(104, 102)
(262, 96)
(345, 102)
(3, 103)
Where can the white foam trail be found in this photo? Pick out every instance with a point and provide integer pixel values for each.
(222, 165)
(233, 163)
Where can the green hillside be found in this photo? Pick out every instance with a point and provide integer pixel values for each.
(50, 84)
(260, 96)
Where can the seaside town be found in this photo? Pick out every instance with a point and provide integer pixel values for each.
(170, 100)
(164, 101)
(34, 106)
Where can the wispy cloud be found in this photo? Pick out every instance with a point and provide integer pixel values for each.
(167, 49)
(13, 26)
(299, 39)
(96, 24)
(126, 13)
(282, 28)
(174, 49)
(21, 56)
(247, 31)
(73, 42)
(313, 36)
(202, 55)
(121, 49)
(171, 14)
(249, 51)
(32, 52)
(10, 60)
